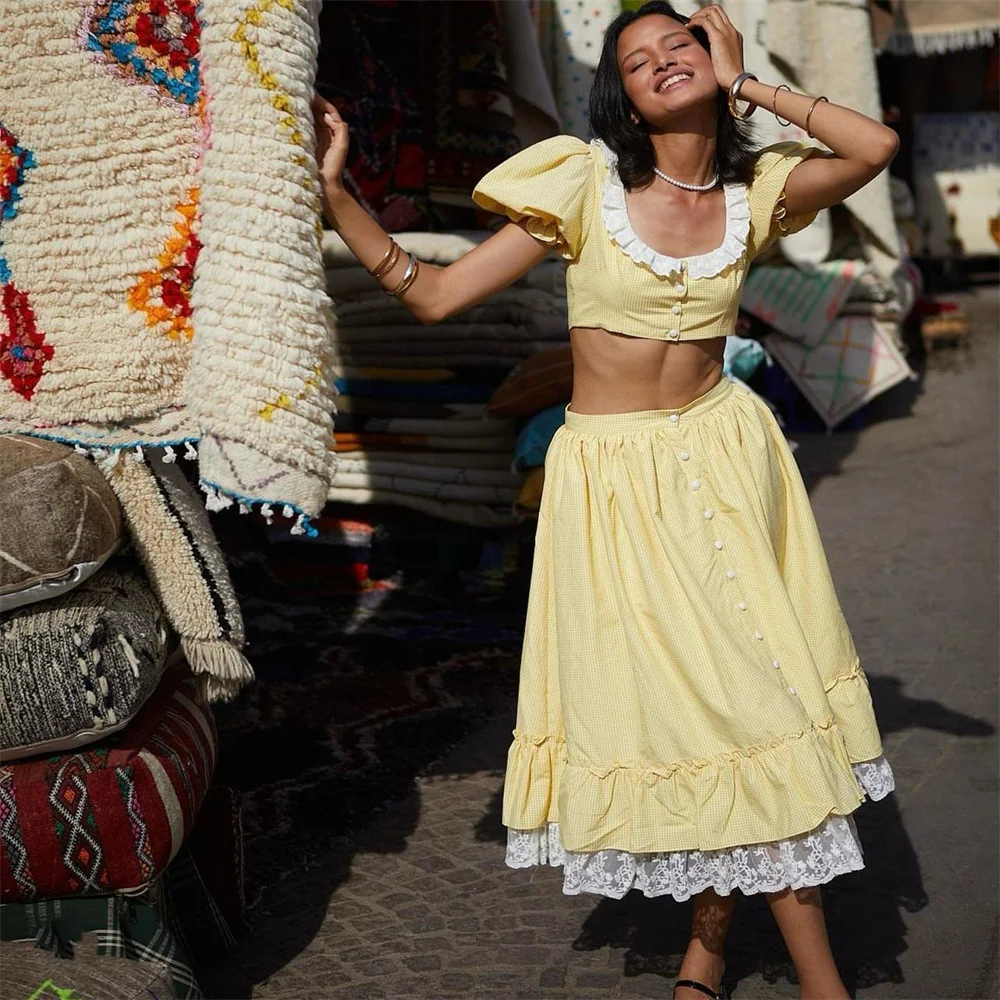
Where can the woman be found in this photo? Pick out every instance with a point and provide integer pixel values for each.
(692, 717)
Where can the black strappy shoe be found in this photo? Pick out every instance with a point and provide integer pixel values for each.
(723, 993)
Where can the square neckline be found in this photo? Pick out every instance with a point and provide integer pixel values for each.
(614, 213)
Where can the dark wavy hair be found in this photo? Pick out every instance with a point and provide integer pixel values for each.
(610, 111)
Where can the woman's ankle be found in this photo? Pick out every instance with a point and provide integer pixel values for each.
(702, 965)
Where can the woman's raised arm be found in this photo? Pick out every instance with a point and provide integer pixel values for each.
(437, 292)
(862, 148)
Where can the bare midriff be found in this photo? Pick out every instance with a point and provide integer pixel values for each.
(614, 373)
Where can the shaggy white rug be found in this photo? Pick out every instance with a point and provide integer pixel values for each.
(160, 272)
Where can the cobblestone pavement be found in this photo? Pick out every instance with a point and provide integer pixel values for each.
(420, 906)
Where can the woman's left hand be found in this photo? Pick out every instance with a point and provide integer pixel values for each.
(725, 41)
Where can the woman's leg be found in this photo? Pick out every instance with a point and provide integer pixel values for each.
(799, 914)
(703, 961)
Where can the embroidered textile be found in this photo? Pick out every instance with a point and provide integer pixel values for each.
(112, 817)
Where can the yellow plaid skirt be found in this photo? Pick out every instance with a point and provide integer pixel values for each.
(688, 680)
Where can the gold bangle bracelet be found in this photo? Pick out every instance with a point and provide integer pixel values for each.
(385, 257)
(809, 113)
(388, 262)
(774, 102)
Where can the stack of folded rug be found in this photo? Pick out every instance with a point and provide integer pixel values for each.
(835, 330)
(107, 743)
(414, 426)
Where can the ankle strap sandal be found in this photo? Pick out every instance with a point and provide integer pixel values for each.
(702, 988)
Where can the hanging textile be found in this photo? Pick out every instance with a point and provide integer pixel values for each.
(825, 47)
(926, 28)
(138, 152)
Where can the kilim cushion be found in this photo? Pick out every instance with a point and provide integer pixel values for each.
(79, 667)
(111, 817)
(59, 520)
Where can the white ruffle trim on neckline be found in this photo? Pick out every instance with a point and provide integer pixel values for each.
(810, 859)
(614, 211)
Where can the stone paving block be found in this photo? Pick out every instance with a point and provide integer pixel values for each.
(434, 863)
(553, 977)
(378, 967)
(423, 963)
(437, 945)
(455, 982)
(358, 991)
(395, 900)
(472, 955)
(464, 925)
(371, 923)
(523, 956)
(600, 980)
(348, 907)
(497, 984)
(413, 988)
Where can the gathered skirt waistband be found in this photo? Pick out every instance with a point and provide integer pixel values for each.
(639, 420)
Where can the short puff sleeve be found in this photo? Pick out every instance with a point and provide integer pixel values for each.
(768, 220)
(547, 188)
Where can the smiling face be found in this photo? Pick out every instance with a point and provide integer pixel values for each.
(664, 69)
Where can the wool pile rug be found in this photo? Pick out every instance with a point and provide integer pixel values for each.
(160, 273)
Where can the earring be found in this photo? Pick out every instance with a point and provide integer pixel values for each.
(634, 117)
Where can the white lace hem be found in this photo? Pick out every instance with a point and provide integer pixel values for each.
(811, 859)
(706, 265)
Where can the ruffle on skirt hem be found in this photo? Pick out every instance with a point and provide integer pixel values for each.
(758, 795)
(814, 858)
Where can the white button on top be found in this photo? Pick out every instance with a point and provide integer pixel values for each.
(696, 484)
(708, 515)
(731, 573)
(775, 664)
(792, 691)
(680, 288)
(718, 543)
(676, 309)
(742, 605)
(757, 635)
(684, 456)
(673, 418)
(674, 334)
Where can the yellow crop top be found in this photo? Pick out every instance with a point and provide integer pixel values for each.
(567, 194)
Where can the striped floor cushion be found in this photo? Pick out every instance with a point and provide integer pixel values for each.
(112, 817)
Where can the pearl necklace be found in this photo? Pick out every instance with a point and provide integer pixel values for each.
(687, 187)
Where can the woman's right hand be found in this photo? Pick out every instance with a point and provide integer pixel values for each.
(332, 141)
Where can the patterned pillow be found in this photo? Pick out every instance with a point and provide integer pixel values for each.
(542, 381)
(78, 667)
(108, 819)
(59, 519)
